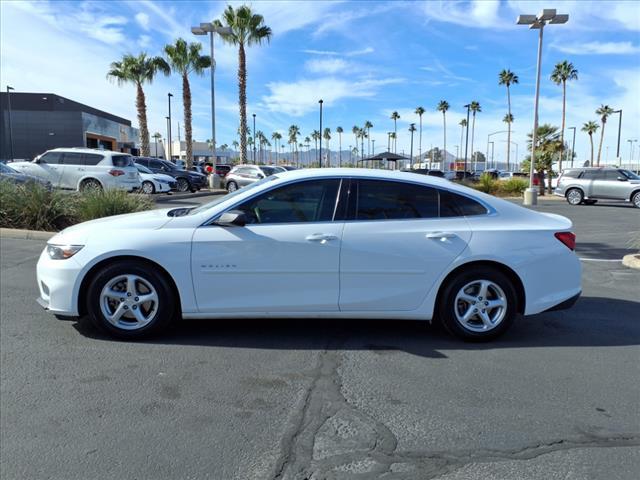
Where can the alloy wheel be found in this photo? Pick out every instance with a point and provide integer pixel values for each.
(147, 187)
(574, 197)
(480, 306)
(129, 302)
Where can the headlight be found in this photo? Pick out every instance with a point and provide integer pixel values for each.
(62, 252)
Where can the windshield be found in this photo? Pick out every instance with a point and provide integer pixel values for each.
(630, 175)
(170, 166)
(143, 169)
(6, 169)
(224, 198)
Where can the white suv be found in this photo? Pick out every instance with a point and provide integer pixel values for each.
(83, 168)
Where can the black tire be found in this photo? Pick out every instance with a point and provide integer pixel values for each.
(90, 184)
(148, 187)
(183, 185)
(635, 199)
(574, 196)
(447, 304)
(232, 186)
(166, 308)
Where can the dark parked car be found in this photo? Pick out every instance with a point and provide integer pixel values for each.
(187, 181)
(8, 174)
(426, 171)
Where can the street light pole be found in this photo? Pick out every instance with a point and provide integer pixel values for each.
(492, 146)
(619, 129)
(466, 141)
(10, 122)
(320, 150)
(573, 145)
(538, 22)
(412, 128)
(169, 95)
(254, 138)
(166, 151)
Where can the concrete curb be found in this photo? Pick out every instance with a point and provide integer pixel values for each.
(187, 196)
(25, 234)
(632, 260)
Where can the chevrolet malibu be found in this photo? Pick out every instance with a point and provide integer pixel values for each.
(331, 243)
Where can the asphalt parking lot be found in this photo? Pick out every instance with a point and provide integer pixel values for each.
(558, 397)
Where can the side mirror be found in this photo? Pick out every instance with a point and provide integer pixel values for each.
(260, 175)
(232, 218)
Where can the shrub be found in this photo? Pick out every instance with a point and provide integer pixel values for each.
(514, 186)
(33, 206)
(95, 203)
(487, 184)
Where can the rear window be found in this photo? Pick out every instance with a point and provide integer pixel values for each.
(122, 160)
(571, 173)
(454, 205)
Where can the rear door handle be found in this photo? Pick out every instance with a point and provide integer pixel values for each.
(440, 235)
(321, 237)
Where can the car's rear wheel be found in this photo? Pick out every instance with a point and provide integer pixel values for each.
(148, 188)
(91, 184)
(232, 186)
(574, 196)
(478, 304)
(635, 199)
(183, 185)
(130, 301)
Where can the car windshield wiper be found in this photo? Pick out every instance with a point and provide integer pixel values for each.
(179, 212)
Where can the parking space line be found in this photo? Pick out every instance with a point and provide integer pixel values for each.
(600, 259)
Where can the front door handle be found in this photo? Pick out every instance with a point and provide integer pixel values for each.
(321, 237)
(440, 235)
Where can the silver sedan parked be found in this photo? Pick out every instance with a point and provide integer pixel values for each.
(243, 175)
(588, 185)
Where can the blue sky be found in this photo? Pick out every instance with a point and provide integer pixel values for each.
(365, 59)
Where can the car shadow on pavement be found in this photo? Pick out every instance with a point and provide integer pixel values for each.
(602, 251)
(592, 322)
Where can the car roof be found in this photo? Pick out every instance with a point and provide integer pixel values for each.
(87, 150)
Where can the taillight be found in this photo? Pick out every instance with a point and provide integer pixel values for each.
(568, 238)
(115, 172)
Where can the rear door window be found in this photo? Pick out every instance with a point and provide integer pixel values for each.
(73, 158)
(91, 159)
(454, 205)
(384, 200)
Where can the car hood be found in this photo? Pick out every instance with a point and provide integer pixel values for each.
(79, 234)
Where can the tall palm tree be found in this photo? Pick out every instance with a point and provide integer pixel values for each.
(185, 59)
(412, 128)
(316, 138)
(475, 108)
(395, 116)
(508, 78)
(590, 128)
(463, 124)
(604, 111)
(362, 134)
(276, 137)
(420, 111)
(368, 126)
(356, 133)
(327, 136)
(138, 70)
(260, 142)
(443, 106)
(294, 131)
(340, 130)
(307, 142)
(247, 29)
(392, 136)
(156, 137)
(562, 72)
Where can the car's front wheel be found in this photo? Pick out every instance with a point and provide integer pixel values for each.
(232, 186)
(130, 301)
(574, 196)
(148, 188)
(635, 199)
(183, 185)
(478, 304)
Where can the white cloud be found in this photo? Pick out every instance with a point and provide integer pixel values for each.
(364, 51)
(143, 20)
(477, 13)
(144, 41)
(349, 53)
(301, 97)
(597, 48)
(326, 66)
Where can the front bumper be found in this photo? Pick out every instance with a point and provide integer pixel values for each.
(57, 284)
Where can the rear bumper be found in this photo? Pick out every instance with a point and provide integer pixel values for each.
(568, 303)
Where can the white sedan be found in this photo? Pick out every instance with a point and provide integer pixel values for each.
(333, 243)
(155, 182)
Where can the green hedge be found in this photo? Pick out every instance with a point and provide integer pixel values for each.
(502, 188)
(33, 207)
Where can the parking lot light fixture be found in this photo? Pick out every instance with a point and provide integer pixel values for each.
(9, 118)
(573, 145)
(619, 130)
(466, 141)
(320, 150)
(548, 15)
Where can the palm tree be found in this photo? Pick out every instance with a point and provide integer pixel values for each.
(508, 78)
(276, 137)
(463, 124)
(316, 138)
(138, 70)
(412, 128)
(307, 142)
(604, 111)
(235, 145)
(156, 137)
(260, 142)
(294, 131)
(395, 116)
(327, 136)
(475, 108)
(443, 106)
(420, 111)
(562, 72)
(185, 59)
(362, 134)
(392, 136)
(590, 128)
(340, 130)
(356, 133)
(247, 28)
(547, 149)
(368, 126)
